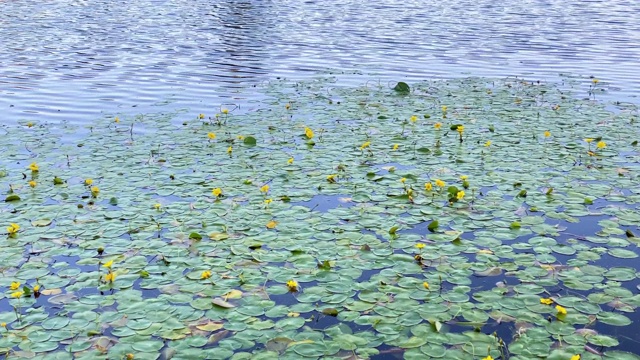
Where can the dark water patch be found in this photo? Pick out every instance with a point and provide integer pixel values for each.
(324, 203)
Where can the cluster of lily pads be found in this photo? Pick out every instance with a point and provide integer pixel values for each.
(443, 231)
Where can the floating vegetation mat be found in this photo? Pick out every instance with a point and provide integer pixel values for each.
(474, 218)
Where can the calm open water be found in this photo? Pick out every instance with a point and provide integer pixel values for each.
(78, 60)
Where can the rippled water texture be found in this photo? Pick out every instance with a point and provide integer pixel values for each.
(76, 60)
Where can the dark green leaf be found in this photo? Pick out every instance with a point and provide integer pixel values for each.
(402, 87)
(250, 141)
(12, 197)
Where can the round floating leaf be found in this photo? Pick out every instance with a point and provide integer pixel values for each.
(620, 355)
(55, 323)
(612, 318)
(413, 342)
(149, 346)
(622, 253)
(314, 350)
(602, 340)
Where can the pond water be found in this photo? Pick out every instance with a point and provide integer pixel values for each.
(74, 61)
(549, 211)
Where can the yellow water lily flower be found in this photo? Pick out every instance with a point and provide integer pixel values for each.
(488, 358)
(157, 206)
(488, 143)
(95, 191)
(225, 111)
(428, 186)
(108, 264)
(460, 195)
(395, 147)
(601, 144)
(589, 140)
(413, 118)
(290, 161)
(576, 357)
(205, 275)
(15, 285)
(403, 180)
(240, 137)
(561, 310)
(264, 188)
(211, 135)
(110, 277)
(463, 177)
(34, 167)
(292, 285)
(365, 145)
(308, 132)
(437, 125)
(420, 245)
(595, 81)
(117, 119)
(29, 124)
(268, 201)
(229, 149)
(4, 324)
(546, 301)
(444, 108)
(36, 288)
(460, 129)
(32, 183)
(425, 285)
(547, 133)
(271, 224)
(331, 178)
(216, 192)
(13, 228)
(440, 183)
(201, 116)
(88, 182)
(17, 294)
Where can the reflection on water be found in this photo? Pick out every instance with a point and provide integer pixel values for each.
(79, 59)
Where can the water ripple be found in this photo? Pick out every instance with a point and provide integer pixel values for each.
(77, 59)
